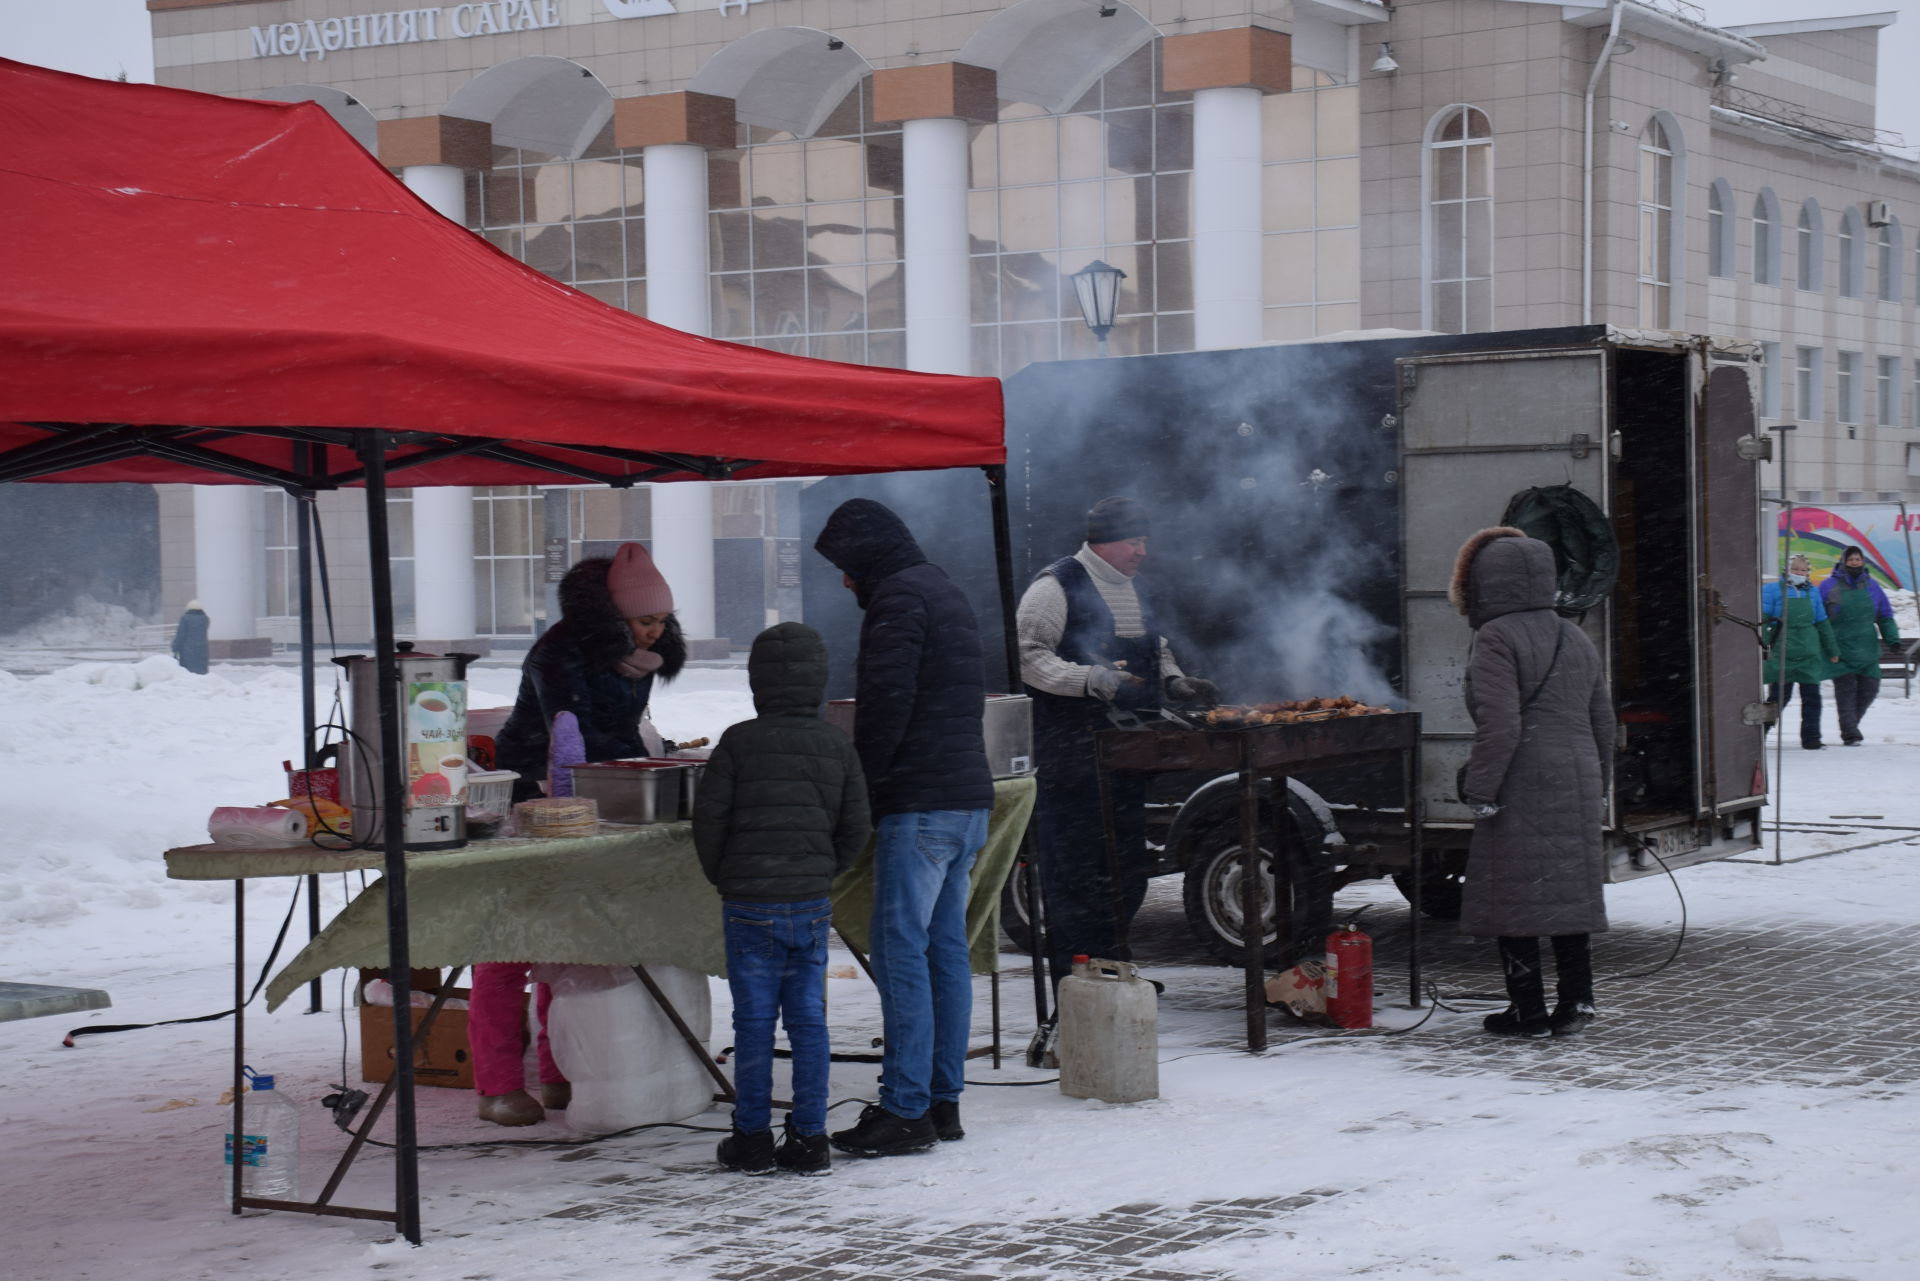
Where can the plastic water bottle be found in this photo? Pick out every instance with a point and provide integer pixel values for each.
(270, 1151)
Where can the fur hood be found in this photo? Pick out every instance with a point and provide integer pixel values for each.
(1463, 563)
(587, 610)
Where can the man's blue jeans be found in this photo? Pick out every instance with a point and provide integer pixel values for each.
(922, 862)
(777, 968)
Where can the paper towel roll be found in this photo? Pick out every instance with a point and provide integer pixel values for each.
(250, 828)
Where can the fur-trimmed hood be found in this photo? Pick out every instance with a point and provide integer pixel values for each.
(1511, 576)
(587, 610)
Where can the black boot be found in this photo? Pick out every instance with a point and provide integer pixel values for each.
(882, 1133)
(804, 1153)
(946, 1120)
(1573, 963)
(1520, 966)
(747, 1153)
(1511, 1022)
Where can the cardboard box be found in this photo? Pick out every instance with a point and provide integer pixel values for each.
(442, 1058)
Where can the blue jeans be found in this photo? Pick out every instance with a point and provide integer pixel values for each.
(922, 863)
(777, 968)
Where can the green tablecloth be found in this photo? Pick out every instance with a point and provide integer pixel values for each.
(627, 896)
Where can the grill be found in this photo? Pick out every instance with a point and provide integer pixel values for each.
(1269, 751)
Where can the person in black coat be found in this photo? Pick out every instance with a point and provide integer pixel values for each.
(782, 811)
(920, 690)
(190, 638)
(616, 634)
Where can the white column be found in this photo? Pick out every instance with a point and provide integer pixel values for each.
(939, 337)
(443, 565)
(1226, 217)
(227, 559)
(679, 294)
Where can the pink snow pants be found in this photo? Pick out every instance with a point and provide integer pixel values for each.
(497, 1029)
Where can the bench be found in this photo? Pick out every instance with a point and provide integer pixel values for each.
(1900, 662)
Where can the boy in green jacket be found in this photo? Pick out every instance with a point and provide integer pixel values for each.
(1808, 655)
(1862, 618)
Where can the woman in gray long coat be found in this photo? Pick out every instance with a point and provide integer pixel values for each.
(1536, 781)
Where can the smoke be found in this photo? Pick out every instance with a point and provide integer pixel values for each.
(1273, 560)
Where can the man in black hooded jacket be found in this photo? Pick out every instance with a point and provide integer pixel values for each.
(920, 690)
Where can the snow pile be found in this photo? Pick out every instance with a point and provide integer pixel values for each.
(88, 625)
(1906, 612)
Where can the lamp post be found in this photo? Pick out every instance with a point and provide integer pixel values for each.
(1097, 286)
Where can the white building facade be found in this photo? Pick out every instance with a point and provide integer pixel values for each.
(913, 182)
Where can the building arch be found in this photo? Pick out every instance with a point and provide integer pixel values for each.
(343, 107)
(1890, 247)
(1663, 222)
(1720, 237)
(1853, 253)
(787, 79)
(1809, 242)
(545, 104)
(1766, 237)
(1051, 52)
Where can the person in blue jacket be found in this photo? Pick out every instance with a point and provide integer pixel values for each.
(1806, 655)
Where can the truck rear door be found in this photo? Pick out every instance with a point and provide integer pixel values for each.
(1729, 503)
(1475, 430)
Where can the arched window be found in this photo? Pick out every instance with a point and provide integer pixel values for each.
(1656, 226)
(1459, 225)
(1807, 248)
(1719, 228)
(1853, 253)
(1888, 284)
(1766, 238)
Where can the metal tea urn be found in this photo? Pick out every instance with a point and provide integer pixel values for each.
(430, 742)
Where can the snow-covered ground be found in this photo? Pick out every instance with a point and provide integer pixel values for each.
(112, 1165)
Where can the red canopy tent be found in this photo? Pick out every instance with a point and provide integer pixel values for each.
(212, 291)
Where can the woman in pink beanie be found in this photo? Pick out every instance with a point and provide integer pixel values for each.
(616, 634)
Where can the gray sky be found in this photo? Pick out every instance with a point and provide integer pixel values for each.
(104, 37)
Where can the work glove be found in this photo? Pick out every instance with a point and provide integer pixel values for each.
(1194, 689)
(1484, 809)
(1110, 684)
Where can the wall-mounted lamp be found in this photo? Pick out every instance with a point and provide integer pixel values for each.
(1108, 10)
(835, 44)
(1385, 64)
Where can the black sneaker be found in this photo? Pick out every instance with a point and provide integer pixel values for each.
(1811, 747)
(881, 1133)
(804, 1153)
(747, 1153)
(1852, 742)
(1509, 1022)
(1570, 1018)
(946, 1120)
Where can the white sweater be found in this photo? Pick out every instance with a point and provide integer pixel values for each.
(1042, 620)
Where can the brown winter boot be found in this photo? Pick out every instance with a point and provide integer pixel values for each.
(517, 1108)
(557, 1095)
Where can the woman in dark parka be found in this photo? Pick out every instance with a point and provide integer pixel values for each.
(1536, 780)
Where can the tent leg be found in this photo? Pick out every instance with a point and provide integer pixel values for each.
(303, 513)
(1010, 637)
(373, 457)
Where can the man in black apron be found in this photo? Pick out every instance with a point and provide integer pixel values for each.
(1088, 643)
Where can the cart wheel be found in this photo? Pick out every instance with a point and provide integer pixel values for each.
(1212, 897)
(1443, 879)
(1013, 908)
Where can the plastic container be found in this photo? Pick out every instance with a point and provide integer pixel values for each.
(489, 802)
(270, 1152)
(1109, 1042)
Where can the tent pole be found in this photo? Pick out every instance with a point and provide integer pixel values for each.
(303, 534)
(373, 457)
(1010, 637)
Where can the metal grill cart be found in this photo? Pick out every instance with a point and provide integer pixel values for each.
(1273, 752)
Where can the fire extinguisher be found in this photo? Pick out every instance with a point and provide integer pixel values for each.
(1350, 975)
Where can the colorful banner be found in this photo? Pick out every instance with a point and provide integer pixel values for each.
(1880, 530)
